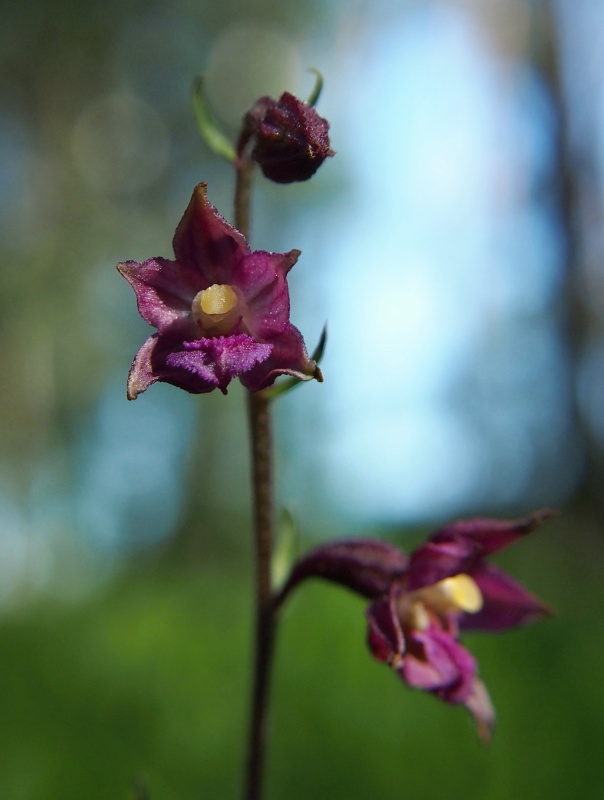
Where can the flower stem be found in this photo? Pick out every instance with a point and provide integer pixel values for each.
(259, 417)
(243, 188)
(262, 485)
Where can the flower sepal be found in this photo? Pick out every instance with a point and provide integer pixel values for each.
(289, 384)
(366, 566)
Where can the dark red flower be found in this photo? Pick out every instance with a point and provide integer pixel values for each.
(420, 603)
(221, 311)
(291, 139)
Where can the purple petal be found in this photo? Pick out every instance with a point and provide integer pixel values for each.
(366, 566)
(433, 661)
(480, 707)
(506, 602)
(491, 535)
(288, 357)
(434, 561)
(207, 242)
(436, 662)
(216, 361)
(164, 289)
(260, 279)
(385, 635)
(150, 365)
(141, 374)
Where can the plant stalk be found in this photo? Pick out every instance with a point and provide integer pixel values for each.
(259, 419)
(259, 407)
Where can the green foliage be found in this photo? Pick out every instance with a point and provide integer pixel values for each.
(208, 127)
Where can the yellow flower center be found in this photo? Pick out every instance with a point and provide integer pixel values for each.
(218, 299)
(459, 593)
(215, 309)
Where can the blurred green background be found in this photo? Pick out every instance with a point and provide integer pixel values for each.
(455, 247)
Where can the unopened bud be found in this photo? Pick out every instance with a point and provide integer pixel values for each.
(291, 139)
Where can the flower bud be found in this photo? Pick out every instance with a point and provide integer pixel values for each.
(291, 139)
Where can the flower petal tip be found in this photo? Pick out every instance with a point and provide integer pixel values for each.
(133, 386)
(201, 189)
(289, 259)
(533, 521)
(125, 269)
(131, 391)
(546, 612)
(482, 710)
(542, 515)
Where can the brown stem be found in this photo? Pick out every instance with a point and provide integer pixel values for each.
(259, 417)
(243, 188)
(262, 483)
